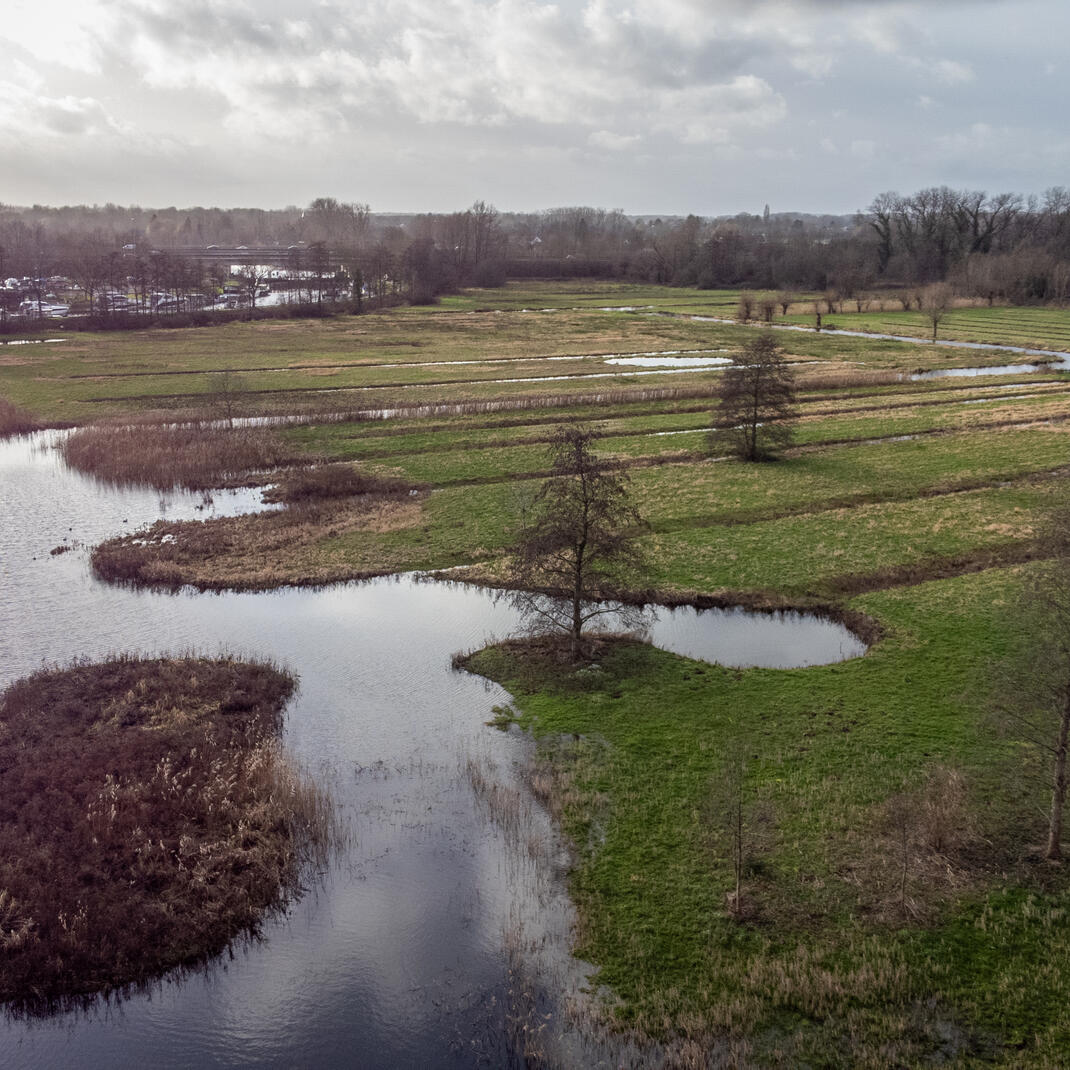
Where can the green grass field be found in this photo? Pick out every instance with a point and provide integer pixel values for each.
(925, 535)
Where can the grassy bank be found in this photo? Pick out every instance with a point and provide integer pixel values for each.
(149, 819)
(837, 960)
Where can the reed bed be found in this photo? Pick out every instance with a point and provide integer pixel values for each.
(148, 817)
(198, 456)
(15, 420)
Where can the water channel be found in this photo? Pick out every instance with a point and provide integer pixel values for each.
(404, 955)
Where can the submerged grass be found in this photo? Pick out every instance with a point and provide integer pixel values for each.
(148, 817)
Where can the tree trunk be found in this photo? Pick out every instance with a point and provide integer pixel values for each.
(577, 604)
(1058, 791)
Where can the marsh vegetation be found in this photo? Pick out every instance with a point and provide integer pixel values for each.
(150, 819)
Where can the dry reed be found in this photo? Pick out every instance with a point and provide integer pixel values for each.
(330, 482)
(15, 420)
(848, 378)
(199, 456)
(147, 818)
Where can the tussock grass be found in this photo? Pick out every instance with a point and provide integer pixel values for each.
(198, 456)
(148, 817)
(15, 420)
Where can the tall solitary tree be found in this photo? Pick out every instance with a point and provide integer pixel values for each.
(576, 542)
(756, 410)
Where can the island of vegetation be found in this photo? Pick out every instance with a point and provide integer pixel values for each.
(149, 819)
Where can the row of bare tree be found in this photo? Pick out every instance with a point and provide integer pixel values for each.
(1001, 247)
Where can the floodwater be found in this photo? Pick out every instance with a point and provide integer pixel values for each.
(691, 363)
(999, 369)
(405, 953)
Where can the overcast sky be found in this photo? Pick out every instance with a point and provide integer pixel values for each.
(668, 106)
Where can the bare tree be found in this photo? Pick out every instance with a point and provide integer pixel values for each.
(254, 276)
(757, 400)
(747, 823)
(576, 542)
(745, 308)
(1032, 696)
(226, 390)
(922, 832)
(935, 302)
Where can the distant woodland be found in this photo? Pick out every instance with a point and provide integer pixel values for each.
(1005, 248)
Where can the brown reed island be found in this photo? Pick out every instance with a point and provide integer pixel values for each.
(148, 818)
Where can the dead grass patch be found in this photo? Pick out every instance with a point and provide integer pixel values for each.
(332, 481)
(847, 379)
(923, 846)
(254, 552)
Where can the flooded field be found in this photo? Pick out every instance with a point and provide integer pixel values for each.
(406, 953)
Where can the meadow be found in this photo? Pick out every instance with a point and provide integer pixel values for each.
(916, 505)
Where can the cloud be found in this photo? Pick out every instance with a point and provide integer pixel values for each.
(24, 112)
(815, 64)
(606, 139)
(978, 137)
(953, 72)
(415, 102)
(337, 69)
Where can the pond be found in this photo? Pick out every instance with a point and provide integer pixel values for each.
(404, 955)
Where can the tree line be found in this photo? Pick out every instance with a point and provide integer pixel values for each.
(1005, 247)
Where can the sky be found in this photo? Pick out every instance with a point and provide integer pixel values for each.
(650, 106)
